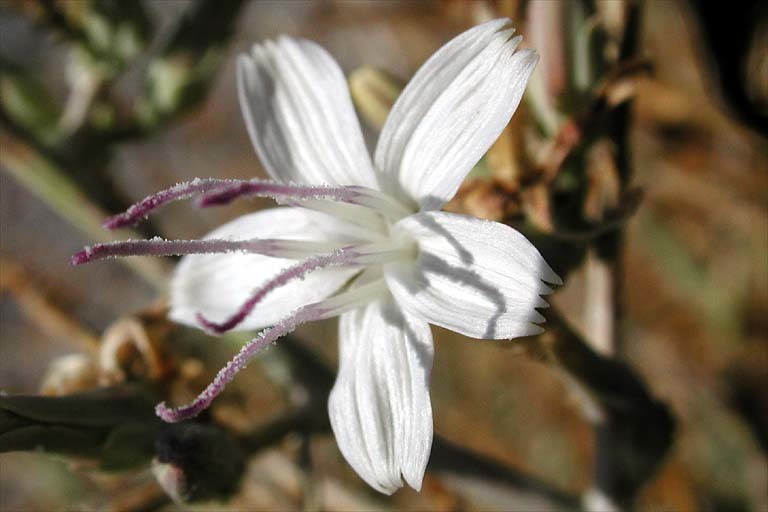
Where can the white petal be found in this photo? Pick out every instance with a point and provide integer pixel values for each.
(379, 407)
(476, 277)
(299, 114)
(451, 112)
(217, 284)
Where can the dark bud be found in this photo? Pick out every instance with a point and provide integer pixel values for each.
(196, 462)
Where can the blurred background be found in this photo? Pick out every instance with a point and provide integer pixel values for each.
(636, 163)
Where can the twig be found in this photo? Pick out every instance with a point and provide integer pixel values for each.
(309, 488)
(614, 438)
(629, 205)
(637, 427)
(617, 87)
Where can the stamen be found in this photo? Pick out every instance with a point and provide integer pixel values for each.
(229, 189)
(339, 257)
(240, 361)
(328, 308)
(160, 247)
(357, 195)
(135, 213)
(219, 191)
(276, 191)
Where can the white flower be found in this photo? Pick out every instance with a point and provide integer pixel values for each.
(362, 239)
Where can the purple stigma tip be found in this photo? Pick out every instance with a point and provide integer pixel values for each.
(215, 327)
(162, 412)
(171, 415)
(237, 363)
(79, 258)
(216, 192)
(177, 414)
